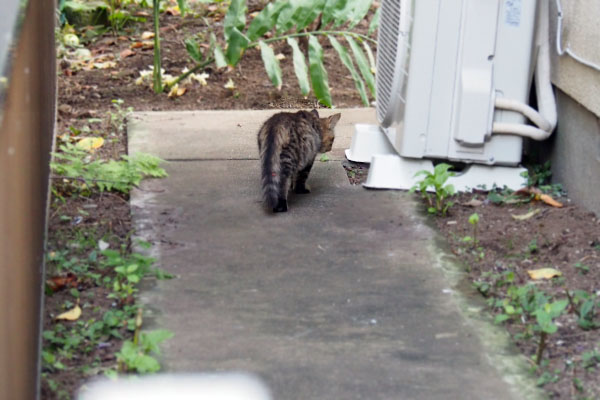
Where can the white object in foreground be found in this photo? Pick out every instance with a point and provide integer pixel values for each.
(232, 386)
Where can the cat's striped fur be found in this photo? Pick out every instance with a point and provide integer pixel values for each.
(288, 144)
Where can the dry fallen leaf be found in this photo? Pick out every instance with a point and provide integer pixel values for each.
(57, 283)
(147, 44)
(127, 53)
(90, 143)
(147, 35)
(71, 315)
(473, 203)
(528, 215)
(104, 65)
(173, 11)
(176, 91)
(229, 85)
(136, 45)
(280, 56)
(550, 201)
(544, 273)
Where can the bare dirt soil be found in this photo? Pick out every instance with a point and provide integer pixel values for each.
(567, 239)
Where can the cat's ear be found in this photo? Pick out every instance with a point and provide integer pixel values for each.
(315, 113)
(334, 120)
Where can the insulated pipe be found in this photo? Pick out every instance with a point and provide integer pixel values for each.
(526, 110)
(520, 130)
(546, 118)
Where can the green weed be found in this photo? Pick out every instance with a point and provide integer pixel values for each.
(83, 173)
(438, 204)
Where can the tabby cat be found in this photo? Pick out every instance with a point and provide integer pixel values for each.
(288, 144)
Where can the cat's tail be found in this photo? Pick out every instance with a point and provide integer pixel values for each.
(271, 169)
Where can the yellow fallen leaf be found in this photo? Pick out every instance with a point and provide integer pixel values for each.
(147, 44)
(280, 56)
(544, 273)
(550, 201)
(229, 85)
(528, 215)
(147, 35)
(90, 143)
(71, 315)
(173, 11)
(176, 91)
(104, 65)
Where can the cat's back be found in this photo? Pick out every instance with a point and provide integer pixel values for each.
(286, 127)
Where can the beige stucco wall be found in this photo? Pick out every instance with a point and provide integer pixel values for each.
(581, 31)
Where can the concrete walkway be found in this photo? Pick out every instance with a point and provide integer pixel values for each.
(340, 298)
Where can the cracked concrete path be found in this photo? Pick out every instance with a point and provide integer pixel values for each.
(340, 298)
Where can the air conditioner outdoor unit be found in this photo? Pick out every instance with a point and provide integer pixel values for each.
(453, 82)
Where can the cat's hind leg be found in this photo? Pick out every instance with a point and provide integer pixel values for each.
(300, 184)
(285, 182)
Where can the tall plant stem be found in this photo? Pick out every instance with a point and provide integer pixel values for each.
(325, 33)
(541, 347)
(157, 74)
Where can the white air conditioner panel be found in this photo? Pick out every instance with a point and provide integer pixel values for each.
(461, 54)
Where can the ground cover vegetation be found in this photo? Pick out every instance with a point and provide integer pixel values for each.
(114, 57)
(535, 258)
(106, 54)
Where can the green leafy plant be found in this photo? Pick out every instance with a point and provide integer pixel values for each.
(545, 316)
(474, 221)
(438, 204)
(288, 21)
(118, 115)
(488, 282)
(582, 268)
(540, 175)
(590, 359)
(138, 355)
(77, 166)
(585, 305)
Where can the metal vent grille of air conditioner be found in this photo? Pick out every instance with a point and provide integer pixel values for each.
(392, 58)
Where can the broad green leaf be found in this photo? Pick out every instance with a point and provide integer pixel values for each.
(296, 12)
(501, 318)
(308, 13)
(236, 45)
(132, 268)
(271, 64)
(235, 18)
(318, 74)
(265, 20)
(331, 10)
(358, 12)
(300, 67)
(347, 61)
(149, 341)
(145, 364)
(341, 15)
(556, 308)
(193, 50)
(181, 4)
(586, 307)
(375, 21)
(220, 60)
(362, 63)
